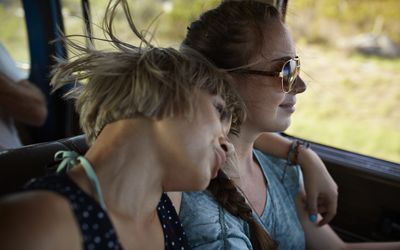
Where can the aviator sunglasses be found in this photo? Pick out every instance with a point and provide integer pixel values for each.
(289, 73)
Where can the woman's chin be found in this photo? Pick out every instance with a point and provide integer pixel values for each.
(281, 126)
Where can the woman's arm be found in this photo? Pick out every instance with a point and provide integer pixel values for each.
(23, 101)
(208, 226)
(320, 188)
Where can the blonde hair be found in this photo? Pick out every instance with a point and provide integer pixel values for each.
(141, 81)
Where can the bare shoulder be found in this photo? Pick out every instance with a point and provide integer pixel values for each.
(37, 220)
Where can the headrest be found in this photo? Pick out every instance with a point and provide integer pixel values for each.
(19, 165)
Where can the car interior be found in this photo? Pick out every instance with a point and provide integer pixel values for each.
(369, 188)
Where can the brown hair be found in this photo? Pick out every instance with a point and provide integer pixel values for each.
(227, 194)
(132, 81)
(230, 36)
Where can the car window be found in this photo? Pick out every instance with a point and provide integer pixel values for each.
(350, 59)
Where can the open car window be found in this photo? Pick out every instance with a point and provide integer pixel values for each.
(350, 55)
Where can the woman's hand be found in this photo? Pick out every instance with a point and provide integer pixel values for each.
(321, 189)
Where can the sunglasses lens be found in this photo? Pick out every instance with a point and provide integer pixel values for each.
(290, 71)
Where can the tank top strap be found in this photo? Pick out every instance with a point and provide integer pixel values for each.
(69, 159)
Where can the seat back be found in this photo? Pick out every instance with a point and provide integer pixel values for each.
(19, 165)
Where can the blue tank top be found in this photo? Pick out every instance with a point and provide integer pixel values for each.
(209, 226)
(280, 215)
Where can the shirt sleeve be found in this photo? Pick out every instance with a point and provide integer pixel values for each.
(209, 226)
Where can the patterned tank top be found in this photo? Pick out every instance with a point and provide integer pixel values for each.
(95, 225)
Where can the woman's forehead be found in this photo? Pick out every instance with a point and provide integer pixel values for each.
(278, 44)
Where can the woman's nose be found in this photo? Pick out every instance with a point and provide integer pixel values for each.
(299, 86)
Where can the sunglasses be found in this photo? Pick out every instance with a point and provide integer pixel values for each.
(289, 73)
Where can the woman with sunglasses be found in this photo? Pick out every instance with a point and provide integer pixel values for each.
(248, 39)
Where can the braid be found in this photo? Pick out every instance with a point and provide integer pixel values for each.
(227, 195)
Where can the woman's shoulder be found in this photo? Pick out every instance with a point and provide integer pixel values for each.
(37, 218)
(199, 206)
(209, 226)
(266, 159)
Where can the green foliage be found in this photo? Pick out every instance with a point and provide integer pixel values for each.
(358, 16)
(183, 13)
(13, 32)
(168, 26)
(351, 102)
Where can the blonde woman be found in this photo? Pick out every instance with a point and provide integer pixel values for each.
(155, 120)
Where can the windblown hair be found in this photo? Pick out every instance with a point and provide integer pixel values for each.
(230, 36)
(132, 81)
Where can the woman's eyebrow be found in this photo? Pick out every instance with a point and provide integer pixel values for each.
(285, 58)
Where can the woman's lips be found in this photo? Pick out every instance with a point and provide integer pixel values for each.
(289, 107)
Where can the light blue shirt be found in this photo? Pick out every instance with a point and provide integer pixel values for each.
(209, 226)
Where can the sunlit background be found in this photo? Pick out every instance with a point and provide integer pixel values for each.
(350, 60)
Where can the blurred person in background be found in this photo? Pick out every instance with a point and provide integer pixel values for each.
(20, 100)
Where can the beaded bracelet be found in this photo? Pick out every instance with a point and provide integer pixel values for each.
(293, 154)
